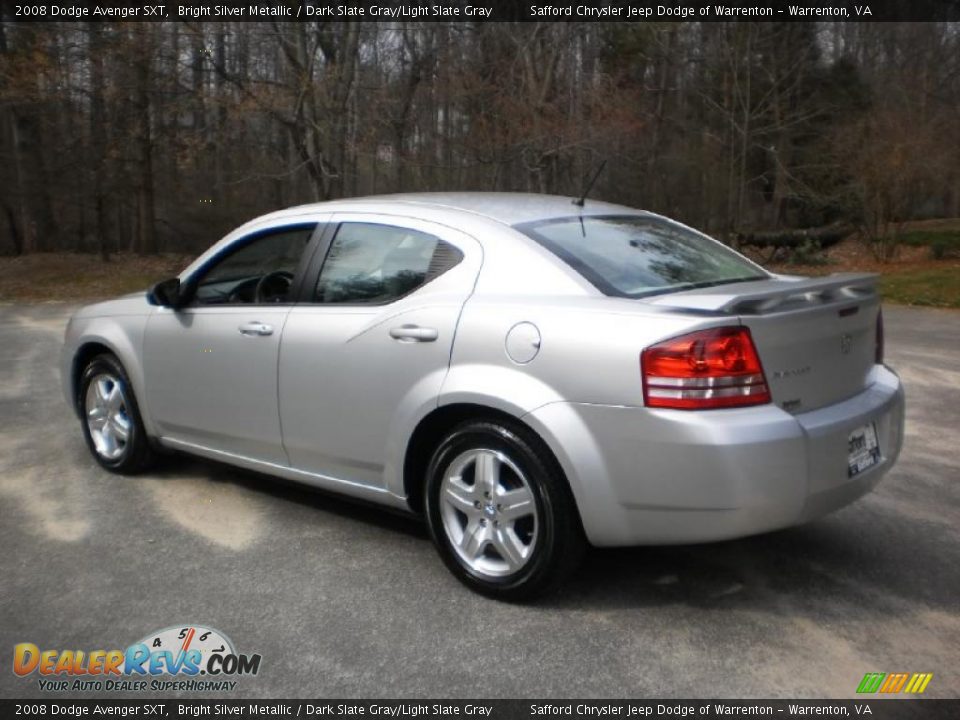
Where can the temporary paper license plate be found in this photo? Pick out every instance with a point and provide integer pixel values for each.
(863, 450)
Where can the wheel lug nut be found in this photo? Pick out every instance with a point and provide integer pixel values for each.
(483, 522)
(476, 504)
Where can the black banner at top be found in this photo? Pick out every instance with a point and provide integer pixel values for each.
(482, 10)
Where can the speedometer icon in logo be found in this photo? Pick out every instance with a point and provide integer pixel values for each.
(180, 640)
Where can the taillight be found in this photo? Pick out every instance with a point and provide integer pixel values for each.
(878, 353)
(715, 368)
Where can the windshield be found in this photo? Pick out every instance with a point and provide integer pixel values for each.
(634, 256)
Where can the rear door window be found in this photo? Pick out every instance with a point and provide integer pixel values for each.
(377, 264)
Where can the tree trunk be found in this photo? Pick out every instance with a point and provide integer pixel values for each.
(15, 238)
(221, 100)
(147, 238)
(98, 132)
(344, 71)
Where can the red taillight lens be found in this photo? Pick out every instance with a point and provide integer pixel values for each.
(879, 347)
(715, 368)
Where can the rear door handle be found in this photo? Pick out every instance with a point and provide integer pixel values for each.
(255, 328)
(414, 333)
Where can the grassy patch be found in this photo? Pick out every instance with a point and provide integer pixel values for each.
(926, 238)
(931, 286)
(44, 277)
(940, 244)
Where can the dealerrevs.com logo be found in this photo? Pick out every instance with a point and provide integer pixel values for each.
(188, 657)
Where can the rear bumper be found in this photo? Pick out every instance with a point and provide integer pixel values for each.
(647, 476)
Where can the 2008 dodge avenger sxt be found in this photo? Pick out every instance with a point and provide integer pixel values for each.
(527, 373)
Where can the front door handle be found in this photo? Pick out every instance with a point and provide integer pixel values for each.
(255, 328)
(414, 333)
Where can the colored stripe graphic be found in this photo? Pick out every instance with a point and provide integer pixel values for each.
(871, 682)
(918, 683)
(894, 683)
(915, 683)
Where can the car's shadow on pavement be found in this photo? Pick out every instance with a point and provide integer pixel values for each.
(826, 565)
(860, 556)
(175, 465)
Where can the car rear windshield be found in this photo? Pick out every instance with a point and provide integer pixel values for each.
(636, 256)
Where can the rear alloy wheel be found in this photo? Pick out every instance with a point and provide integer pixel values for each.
(500, 511)
(488, 512)
(111, 419)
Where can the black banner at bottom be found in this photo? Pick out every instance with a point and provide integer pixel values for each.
(871, 708)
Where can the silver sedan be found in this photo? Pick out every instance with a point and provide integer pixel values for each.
(528, 374)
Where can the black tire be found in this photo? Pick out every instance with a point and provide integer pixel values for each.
(136, 454)
(559, 540)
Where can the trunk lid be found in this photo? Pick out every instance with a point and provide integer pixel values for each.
(816, 337)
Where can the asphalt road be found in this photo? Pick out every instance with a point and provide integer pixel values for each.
(347, 601)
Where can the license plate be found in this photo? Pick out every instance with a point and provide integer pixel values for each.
(863, 450)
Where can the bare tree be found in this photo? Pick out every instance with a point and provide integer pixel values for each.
(160, 136)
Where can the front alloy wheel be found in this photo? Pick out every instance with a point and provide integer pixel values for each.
(112, 425)
(107, 420)
(500, 511)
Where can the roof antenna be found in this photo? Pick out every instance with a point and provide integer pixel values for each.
(586, 191)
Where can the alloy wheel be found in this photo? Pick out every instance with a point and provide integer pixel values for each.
(106, 414)
(489, 513)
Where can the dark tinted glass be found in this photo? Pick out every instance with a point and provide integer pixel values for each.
(377, 264)
(233, 278)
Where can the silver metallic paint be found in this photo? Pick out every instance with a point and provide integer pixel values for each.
(347, 397)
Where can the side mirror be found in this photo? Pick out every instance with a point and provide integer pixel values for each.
(166, 293)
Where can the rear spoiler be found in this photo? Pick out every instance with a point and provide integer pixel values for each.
(777, 294)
